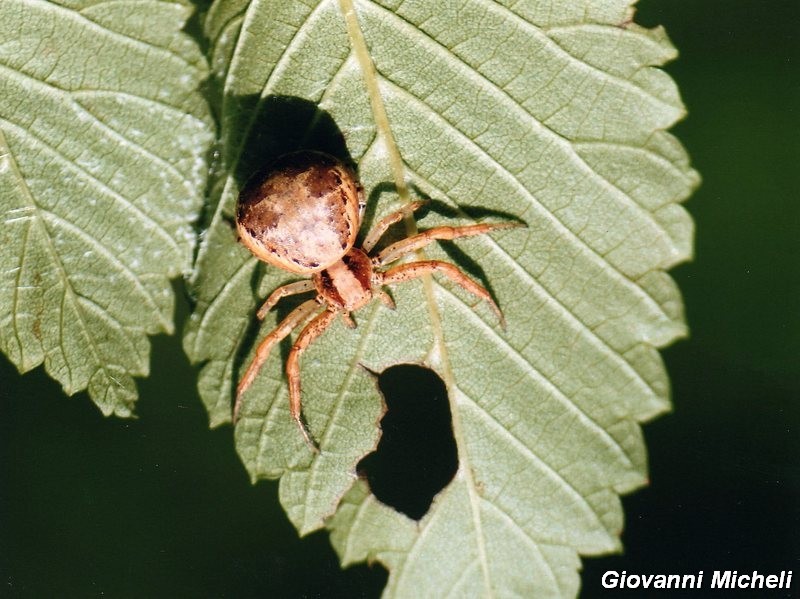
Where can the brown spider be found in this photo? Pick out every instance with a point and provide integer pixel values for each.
(303, 214)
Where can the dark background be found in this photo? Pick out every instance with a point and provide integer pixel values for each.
(160, 506)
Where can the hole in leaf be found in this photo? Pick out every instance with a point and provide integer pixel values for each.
(417, 455)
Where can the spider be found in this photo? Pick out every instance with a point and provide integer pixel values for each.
(302, 214)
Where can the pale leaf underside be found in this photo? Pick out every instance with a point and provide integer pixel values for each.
(103, 139)
(551, 112)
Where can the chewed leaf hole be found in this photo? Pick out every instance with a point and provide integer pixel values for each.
(417, 454)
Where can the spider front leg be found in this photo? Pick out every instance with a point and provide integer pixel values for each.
(378, 230)
(283, 291)
(414, 270)
(314, 329)
(297, 316)
(420, 240)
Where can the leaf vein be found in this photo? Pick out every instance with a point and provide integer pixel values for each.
(286, 51)
(113, 322)
(15, 301)
(218, 300)
(80, 171)
(339, 401)
(110, 33)
(541, 33)
(455, 586)
(548, 470)
(533, 201)
(526, 538)
(169, 108)
(131, 144)
(60, 222)
(66, 287)
(419, 540)
(499, 91)
(566, 311)
(583, 417)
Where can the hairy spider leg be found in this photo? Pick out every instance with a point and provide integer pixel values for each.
(386, 299)
(348, 320)
(313, 330)
(281, 292)
(294, 319)
(420, 240)
(378, 230)
(414, 270)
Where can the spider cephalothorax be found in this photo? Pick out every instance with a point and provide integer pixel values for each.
(303, 214)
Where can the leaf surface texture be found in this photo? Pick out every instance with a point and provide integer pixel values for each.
(103, 143)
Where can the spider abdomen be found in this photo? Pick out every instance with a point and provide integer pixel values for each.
(300, 214)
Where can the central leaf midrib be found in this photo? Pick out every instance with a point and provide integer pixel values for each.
(398, 167)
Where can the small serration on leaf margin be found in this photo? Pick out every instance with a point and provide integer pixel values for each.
(103, 144)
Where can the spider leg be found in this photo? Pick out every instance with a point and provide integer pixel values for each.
(348, 320)
(283, 291)
(386, 299)
(313, 329)
(378, 230)
(295, 317)
(414, 270)
(420, 240)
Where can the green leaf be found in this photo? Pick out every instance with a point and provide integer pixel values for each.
(103, 143)
(553, 113)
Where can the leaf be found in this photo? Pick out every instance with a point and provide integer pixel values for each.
(103, 139)
(553, 113)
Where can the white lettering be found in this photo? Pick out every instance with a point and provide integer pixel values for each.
(669, 580)
(721, 580)
(610, 579)
(687, 582)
